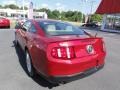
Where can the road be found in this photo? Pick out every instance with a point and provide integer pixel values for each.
(13, 73)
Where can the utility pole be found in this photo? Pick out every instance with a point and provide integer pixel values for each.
(91, 9)
(23, 9)
(16, 2)
(83, 2)
(92, 3)
(30, 10)
(81, 11)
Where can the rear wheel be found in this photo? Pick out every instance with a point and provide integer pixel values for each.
(16, 41)
(30, 69)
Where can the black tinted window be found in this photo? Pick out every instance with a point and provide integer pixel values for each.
(27, 25)
(32, 29)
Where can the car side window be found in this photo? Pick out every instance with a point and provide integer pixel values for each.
(32, 29)
(27, 25)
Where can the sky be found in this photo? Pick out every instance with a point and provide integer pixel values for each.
(63, 5)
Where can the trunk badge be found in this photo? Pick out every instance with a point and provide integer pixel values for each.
(90, 49)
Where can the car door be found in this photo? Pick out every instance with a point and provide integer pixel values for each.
(32, 42)
(37, 52)
(25, 34)
(18, 32)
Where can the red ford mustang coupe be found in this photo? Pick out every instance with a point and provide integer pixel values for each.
(58, 50)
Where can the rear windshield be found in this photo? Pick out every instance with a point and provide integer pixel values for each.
(59, 28)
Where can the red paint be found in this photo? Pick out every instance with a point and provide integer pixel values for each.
(72, 57)
(109, 7)
(4, 22)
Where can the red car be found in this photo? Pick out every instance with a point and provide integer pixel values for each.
(4, 22)
(59, 51)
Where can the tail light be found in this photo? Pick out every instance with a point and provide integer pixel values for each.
(103, 46)
(104, 49)
(63, 52)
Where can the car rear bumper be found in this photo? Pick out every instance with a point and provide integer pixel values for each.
(4, 25)
(68, 78)
(71, 67)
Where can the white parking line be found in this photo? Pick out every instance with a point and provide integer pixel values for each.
(1, 30)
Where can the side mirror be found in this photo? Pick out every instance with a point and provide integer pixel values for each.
(90, 34)
(18, 26)
(23, 28)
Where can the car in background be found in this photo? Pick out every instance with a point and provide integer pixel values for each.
(59, 51)
(117, 25)
(21, 20)
(91, 24)
(4, 22)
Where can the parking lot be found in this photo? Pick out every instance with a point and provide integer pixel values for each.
(13, 73)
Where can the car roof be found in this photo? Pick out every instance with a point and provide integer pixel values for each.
(43, 20)
(2, 17)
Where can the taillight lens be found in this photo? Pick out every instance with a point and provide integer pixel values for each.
(63, 52)
(104, 49)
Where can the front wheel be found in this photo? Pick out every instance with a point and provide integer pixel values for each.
(30, 69)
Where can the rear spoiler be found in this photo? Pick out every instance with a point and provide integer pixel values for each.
(91, 35)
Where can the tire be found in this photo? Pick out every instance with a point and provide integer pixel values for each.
(16, 41)
(8, 27)
(29, 66)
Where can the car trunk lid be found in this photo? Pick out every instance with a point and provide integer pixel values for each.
(83, 46)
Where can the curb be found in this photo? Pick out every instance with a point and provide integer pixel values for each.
(111, 31)
(106, 30)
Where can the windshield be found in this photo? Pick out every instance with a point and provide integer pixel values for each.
(59, 28)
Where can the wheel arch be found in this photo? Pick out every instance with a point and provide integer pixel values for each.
(27, 50)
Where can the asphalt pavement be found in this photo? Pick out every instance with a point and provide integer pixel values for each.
(13, 74)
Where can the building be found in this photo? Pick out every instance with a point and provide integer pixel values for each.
(110, 9)
(20, 13)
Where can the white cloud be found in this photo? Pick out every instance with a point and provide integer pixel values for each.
(16, 2)
(5, 2)
(60, 6)
(44, 5)
(20, 3)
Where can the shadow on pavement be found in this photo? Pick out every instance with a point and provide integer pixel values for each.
(38, 79)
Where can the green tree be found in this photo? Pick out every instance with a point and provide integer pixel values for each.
(1, 6)
(69, 14)
(73, 16)
(56, 14)
(26, 8)
(48, 11)
(11, 6)
(77, 17)
(63, 13)
(43, 10)
(96, 18)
